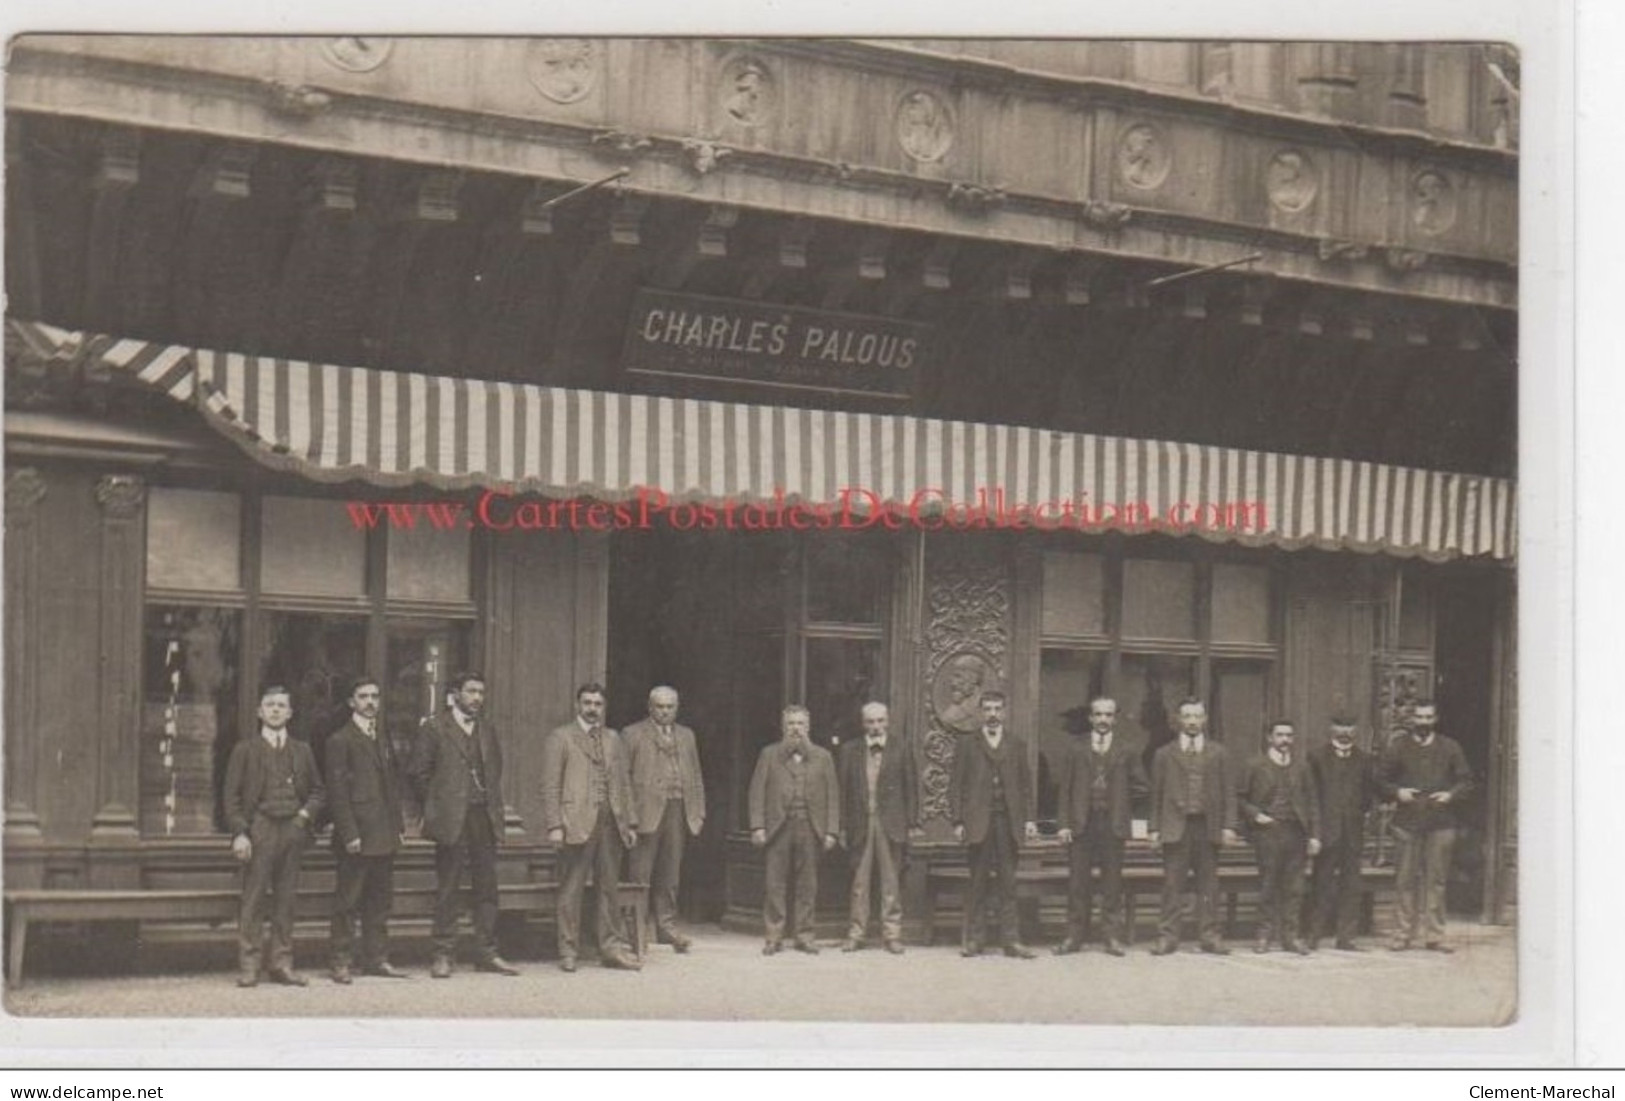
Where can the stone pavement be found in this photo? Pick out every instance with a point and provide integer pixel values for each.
(726, 978)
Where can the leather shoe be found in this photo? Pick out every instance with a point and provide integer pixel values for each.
(248, 979)
(567, 964)
(680, 944)
(622, 961)
(496, 965)
(283, 976)
(1020, 952)
(1299, 947)
(1113, 948)
(341, 975)
(1261, 947)
(1067, 947)
(851, 944)
(1436, 946)
(1165, 948)
(807, 946)
(1399, 946)
(970, 951)
(1345, 945)
(1214, 948)
(440, 968)
(894, 947)
(386, 970)
(772, 948)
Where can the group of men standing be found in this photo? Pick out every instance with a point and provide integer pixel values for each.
(603, 794)
(607, 794)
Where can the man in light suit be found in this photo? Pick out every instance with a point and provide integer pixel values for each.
(668, 793)
(879, 807)
(273, 797)
(363, 795)
(588, 812)
(990, 800)
(1193, 814)
(457, 772)
(1282, 810)
(1099, 777)
(795, 811)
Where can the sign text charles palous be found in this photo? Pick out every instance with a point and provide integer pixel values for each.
(761, 344)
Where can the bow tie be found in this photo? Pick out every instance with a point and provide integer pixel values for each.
(876, 748)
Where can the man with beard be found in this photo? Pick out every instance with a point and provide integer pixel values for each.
(1424, 772)
(878, 803)
(795, 811)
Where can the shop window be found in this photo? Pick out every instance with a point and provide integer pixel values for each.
(194, 538)
(428, 563)
(1074, 594)
(841, 676)
(1241, 603)
(1067, 681)
(316, 656)
(309, 547)
(420, 658)
(845, 579)
(189, 716)
(1152, 686)
(1159, 599)
(1240, 705)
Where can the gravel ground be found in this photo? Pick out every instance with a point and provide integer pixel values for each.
(725, 978)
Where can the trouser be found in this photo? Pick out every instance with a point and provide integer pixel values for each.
(601, 854)
(1192, 853)
(365, 889)
(994, 856)
(1337, 888)
(476, 851)
(657, 860)
(1281, 848)
(1095, 844)
(1424, 865)
(880, 860)
(792, 852)
(273, 870)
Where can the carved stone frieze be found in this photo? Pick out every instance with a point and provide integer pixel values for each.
(1432, 202)
(565, 70)
(925, 126)
(357, 53)
(748, 93)
(1328, 249)
(967, 643)
(24, 489)
(623, 142)
(1291, 181)
(703, 156)
(973, 199)
(296, 100)
(120, 495)
(1106, 215)
(1143, 157)
(1405, 260)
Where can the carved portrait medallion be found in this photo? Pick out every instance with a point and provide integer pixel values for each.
(356, 53)
(747, 93)
(1143, 159)
(564, 70)
(1291, 181)
(956, 690)
(925, 126)
(1433, 202)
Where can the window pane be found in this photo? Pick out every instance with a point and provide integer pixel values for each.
(194, 540)
(1152, 688)
(428, 563)
(188, 716)
(1067, 679)
(846, 580)
(1239, 699)
(1074, 594)
(842, 675)
(1241, 603)
(309, 547)
(420, 659)
(315, 656)
(1159, 599)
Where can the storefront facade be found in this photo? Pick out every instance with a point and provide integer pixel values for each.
(319, 364)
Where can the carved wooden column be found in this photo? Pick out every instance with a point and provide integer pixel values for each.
(123, 558)
(25, 488)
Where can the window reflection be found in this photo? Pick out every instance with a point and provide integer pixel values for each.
(188, 716)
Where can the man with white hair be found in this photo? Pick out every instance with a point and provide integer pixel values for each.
(795, 811)
(669, 793)
(879, 803)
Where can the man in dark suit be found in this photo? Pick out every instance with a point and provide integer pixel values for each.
(795, 811)
(1282, 810)
(457, 773)
(1345, 782)
(668, 793)
(272, 799)
(990, 800)
(878, 809)
(1424, 772)
(363, 796)
(1099, 777)
(588, 811)
(1193, 814)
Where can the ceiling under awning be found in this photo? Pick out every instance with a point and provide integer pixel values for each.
(337, 424)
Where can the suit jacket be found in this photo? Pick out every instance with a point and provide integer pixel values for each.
(569, 797)
(440, 773)
(248, 771)
(896, 791)
(1301, 793)
(642, 742)
(1168, 792)
(770, 790)
(970, 787)
(1125, 778)
(1346, 790)
(363, 791)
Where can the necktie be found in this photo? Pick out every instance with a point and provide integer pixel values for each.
(876, 749)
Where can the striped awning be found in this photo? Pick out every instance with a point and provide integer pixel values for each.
(333, 424)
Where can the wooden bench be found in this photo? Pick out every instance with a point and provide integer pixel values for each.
(219, 907)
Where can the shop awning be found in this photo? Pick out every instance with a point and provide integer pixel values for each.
(336, 424)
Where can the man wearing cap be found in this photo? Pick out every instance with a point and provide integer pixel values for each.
(1425, 773)
(1282, 810)
(990, 803)
(795, 811)
(878, 804)
(1345, 782)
